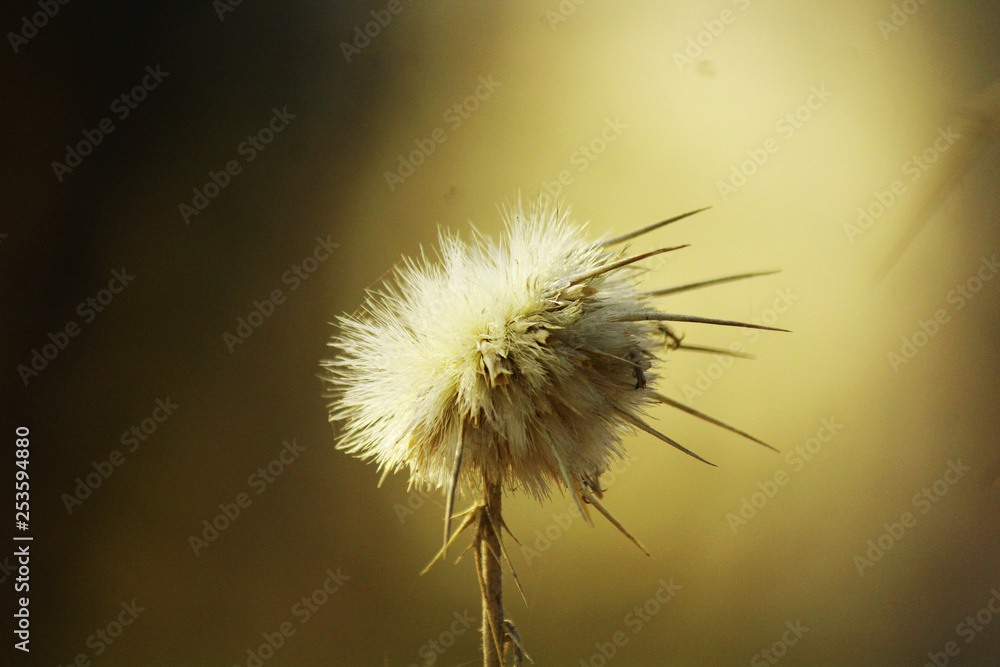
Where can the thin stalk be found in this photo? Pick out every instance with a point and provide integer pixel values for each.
(491, 575)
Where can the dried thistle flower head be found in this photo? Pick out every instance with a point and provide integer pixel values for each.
(517, 364)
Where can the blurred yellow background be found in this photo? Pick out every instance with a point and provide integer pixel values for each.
(823, 135)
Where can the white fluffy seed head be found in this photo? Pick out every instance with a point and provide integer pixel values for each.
(517, 350)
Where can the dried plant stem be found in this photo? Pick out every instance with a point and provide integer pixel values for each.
(487, 548)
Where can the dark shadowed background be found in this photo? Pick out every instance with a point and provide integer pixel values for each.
(832, 140)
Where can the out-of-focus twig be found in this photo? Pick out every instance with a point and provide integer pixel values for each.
(977, 124)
